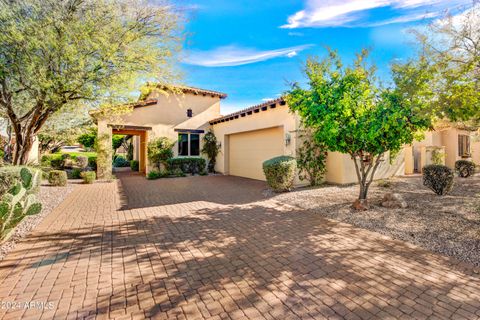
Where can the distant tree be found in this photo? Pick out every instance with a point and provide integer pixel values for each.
(449, 55)
(211, 148)
(311, 158)
(88, 139)
(57, 53)
(348, 112)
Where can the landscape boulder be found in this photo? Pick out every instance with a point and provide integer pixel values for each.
(393, 201)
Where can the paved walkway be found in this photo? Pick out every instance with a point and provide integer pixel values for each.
(216, 248)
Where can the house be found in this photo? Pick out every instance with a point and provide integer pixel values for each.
(253, 135)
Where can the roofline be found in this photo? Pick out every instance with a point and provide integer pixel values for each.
(196, 91)
(248, 111)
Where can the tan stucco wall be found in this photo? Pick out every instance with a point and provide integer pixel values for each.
(476, 149)
(170, 113)
(277, 117)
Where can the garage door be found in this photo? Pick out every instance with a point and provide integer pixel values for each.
(248, 150)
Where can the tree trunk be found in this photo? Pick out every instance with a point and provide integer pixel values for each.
(365, 174)
(23, 146)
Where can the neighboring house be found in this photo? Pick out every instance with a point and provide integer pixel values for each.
(253, 135)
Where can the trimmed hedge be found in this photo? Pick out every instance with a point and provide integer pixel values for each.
(191, 165)
(280, 173)
(89, 176)
(134, 165)
(438, 178)
(57, 178)
(465, 168)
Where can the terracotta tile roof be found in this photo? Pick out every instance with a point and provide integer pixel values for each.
(248, 111)
(194, 90)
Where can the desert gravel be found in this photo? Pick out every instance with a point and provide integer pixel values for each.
(50, 197)
(448, 225)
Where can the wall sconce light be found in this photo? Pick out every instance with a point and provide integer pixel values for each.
(288, 138)
(220, 144)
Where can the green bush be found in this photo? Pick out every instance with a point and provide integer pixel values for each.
(75, 173)
(176, 173)
(82, 162)
(280, 173)
(465, 168)
(120, 162)
(57, 178)
(92, 162)
(191, 165)
(159, 151)
(438, 178)
(89, 176)
(134, 165)
(19, 201)
(156, 174)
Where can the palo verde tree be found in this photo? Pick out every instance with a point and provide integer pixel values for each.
(55, 53)
(349, 113)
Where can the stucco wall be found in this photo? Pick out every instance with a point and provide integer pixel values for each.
(476, 149)
(277, 117)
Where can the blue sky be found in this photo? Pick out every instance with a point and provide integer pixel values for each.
(251, 50)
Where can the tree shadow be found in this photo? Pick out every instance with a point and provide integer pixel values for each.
(262, 259)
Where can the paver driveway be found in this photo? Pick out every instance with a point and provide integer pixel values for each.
(215, 247)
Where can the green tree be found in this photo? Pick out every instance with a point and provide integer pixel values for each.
(88, 139)
(159, 151)
(349, 113)
(56, 54)
(211, 148)
(449, 55)
(311, 158)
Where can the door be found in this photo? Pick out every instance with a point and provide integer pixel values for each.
(248, 150)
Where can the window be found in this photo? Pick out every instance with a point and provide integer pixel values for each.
(463, 145)
(194, 144)
(188, 144)
(189, 113)
(183, 144)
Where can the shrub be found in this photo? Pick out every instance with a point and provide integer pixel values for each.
(211, 148)
(82, 162)
(280, 173)
(311, 158)
(204, 173)
(134, 165)
(465, 168)
(89, 176)
(92, 162)
(57, 178)
(159, 151)
(176, 173)
(66, 156)
(120, 162)
(20, 200)
(438, 178)
(191, 165)
(76, 173)
(156, 174)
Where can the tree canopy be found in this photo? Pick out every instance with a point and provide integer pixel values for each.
(350, 113)
(58, 53)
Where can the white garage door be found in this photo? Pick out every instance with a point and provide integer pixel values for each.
(248, 150)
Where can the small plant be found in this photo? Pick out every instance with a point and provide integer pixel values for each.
(177, 172)
(120, 162)
(134, 165)
(156, 174)
(465, 168)
(438, 178)
(203, 173)
(438, 156)
(76, 173)
(57, 178)
(159, 151)
(384, 183)
(82, 162)
(92, 162)
(311, 159)
(211, 148)
(192, 165)
(280, 173)
(56, 163)
(89, 177)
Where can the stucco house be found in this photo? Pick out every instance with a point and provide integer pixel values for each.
(253, 135)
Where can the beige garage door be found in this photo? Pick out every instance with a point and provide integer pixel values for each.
(249, 149)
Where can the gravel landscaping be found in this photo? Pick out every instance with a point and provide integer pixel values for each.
(50, 197)
(449, 224)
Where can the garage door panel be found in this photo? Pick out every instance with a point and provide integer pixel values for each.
(248, 150)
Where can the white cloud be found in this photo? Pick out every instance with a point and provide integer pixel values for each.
(330, 13)
(227, 56)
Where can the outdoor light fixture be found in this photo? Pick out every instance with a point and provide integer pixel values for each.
(288, 138)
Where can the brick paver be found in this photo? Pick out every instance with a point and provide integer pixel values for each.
(216, 248)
